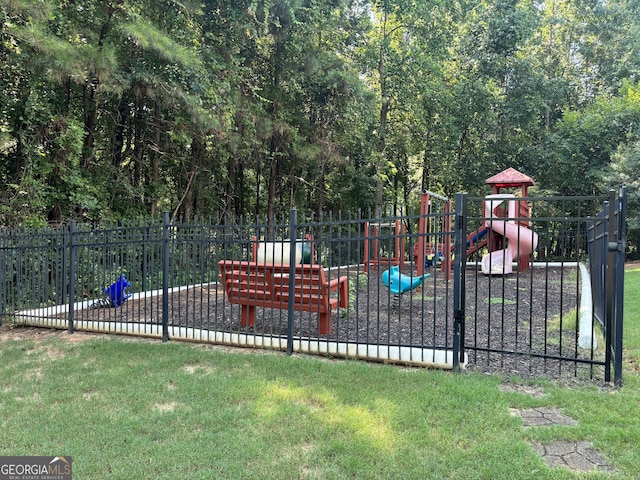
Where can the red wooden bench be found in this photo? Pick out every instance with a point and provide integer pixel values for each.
(252, 284)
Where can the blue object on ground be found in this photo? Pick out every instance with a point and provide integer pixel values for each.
(399, 283)
(117, 292)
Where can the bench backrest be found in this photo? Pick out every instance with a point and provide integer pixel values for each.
(268, 282)
(310, 286)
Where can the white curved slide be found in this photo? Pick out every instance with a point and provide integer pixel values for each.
(521, 241)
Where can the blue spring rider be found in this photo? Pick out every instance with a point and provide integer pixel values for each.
(398, 283)
(117, 293)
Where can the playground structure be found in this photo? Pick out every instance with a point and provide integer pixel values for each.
(432, 243)
(374, 251)
(505, 233)
(520, 240)
(435, 218)
(508, 238)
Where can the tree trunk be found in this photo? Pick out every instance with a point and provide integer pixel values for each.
(383, 120)
(155, 159)
(118, 134)
(273, 171)
(426, 165)
(230, 189)
(140, 125)
(90, 115)
(91, 100)
(197, 159)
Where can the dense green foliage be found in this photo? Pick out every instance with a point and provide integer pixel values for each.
(111, 108)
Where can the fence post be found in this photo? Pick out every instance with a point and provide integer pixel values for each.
(2, 276)
(63, 275)
(610, 275)
(165, 276)
(293, 221)
(459, 288)
(145, 239)
(618, 299)
(72, 274)
(603, 276)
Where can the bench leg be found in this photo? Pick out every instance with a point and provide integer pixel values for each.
(324, 324)
(247, 315)
(343, 294)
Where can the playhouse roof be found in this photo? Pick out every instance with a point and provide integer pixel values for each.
(510, 178)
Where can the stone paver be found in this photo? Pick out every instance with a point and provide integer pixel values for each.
(578, 456)
(542, 416)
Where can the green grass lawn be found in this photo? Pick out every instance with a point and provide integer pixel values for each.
(146, 410)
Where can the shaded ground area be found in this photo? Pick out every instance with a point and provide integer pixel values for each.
(532, 316)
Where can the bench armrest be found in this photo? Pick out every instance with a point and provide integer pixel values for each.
(341, 285)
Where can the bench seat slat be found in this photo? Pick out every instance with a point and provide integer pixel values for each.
(245, 296)
(281, 300)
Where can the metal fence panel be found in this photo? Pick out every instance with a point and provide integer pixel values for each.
(428, 287)
(526, 321)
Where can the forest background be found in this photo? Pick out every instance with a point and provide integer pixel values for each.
(120, 109)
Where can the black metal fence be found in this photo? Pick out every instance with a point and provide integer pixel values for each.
(534, 310)
(607, 238)
(415, 293)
